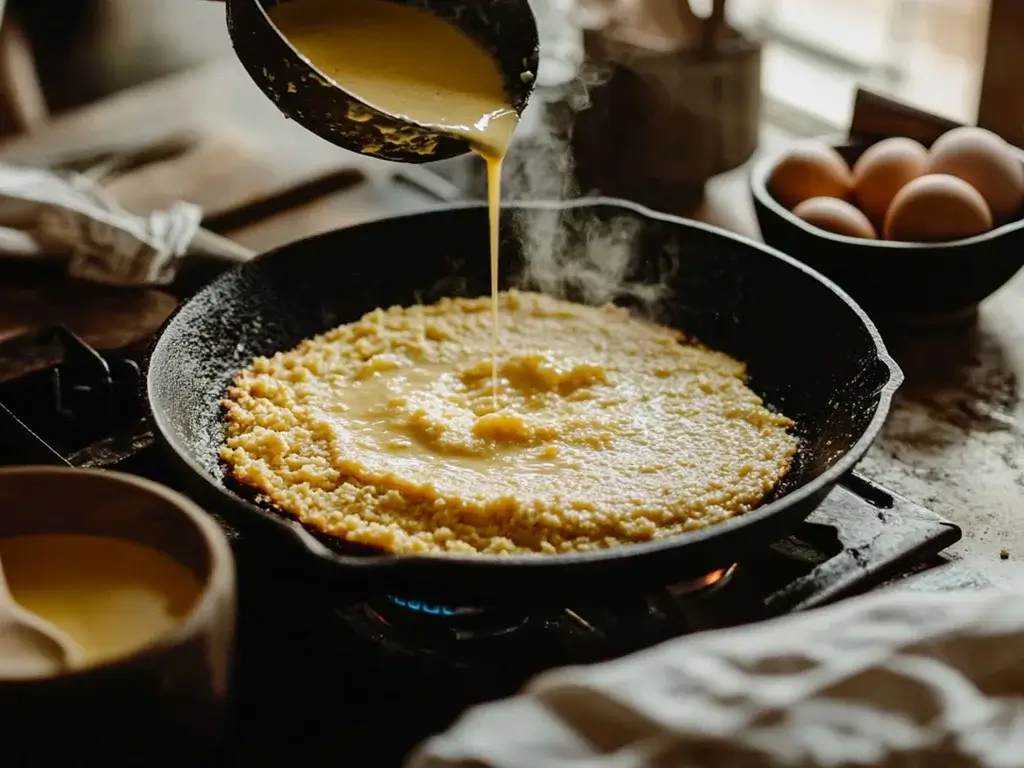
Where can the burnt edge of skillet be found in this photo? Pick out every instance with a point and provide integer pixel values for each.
(384, 570)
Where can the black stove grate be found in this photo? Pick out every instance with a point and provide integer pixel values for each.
(385, 673)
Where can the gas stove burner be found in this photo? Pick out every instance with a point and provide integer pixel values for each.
(412, 622)
(713, 582)
(437, 623)
(433, 609)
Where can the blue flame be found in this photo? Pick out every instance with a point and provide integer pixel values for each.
(416, 605)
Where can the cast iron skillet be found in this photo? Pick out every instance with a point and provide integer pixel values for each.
(812, 353)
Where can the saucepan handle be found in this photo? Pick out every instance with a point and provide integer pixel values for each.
(207, 244)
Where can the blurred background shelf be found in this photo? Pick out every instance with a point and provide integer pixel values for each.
(928, 53)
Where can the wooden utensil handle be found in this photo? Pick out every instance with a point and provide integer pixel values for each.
(876, 117)
(211, 245)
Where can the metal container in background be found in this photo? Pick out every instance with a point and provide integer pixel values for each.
(664, 123)
(620, 120)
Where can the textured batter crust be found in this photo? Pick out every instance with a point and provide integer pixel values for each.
(604, 430)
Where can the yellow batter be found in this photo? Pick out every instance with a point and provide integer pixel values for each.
(111, 597)
(606, 430)
(405, 62)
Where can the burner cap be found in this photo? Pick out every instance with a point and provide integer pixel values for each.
(438, 621)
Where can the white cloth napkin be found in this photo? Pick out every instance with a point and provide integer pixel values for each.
(65, 213)
(897, 678)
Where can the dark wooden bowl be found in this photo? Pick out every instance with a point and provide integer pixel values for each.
(507, 28)
(913, 282)
(161, 705)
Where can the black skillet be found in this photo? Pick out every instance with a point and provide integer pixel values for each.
(812, 353)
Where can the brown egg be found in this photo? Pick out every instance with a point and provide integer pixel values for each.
(810, 169)
(883, 170)
(936, 208)
(834, 215)
(987, 163)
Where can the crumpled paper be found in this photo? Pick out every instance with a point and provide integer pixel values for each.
(898, 678)
(68, 214)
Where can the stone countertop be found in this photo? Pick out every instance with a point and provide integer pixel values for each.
(954, 441)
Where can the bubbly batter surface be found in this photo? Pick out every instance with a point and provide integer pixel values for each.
(607, 430)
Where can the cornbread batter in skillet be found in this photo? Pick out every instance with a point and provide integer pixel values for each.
(607, 430)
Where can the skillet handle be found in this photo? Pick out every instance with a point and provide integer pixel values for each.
(867, 489)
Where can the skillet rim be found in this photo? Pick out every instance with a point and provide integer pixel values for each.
(385, 562)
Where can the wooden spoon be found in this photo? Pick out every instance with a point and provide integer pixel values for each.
(29, 645)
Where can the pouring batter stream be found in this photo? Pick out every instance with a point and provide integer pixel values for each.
(410, 64)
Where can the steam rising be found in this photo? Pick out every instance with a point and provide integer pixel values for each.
(565, 254)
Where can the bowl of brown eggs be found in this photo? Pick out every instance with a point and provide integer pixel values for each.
(910, 231)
